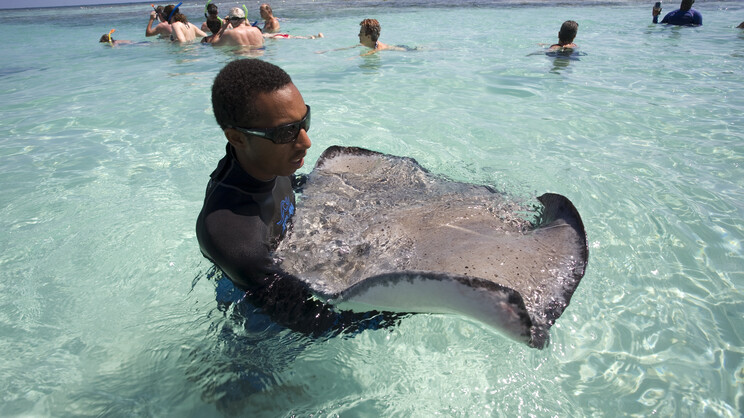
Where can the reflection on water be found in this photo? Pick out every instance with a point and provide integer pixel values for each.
(105, 156)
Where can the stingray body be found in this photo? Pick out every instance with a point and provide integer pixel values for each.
(379, 232)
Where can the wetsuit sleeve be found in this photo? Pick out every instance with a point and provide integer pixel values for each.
(697, 18)
(237, 244)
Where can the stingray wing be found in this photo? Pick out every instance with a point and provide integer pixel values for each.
(374, 231)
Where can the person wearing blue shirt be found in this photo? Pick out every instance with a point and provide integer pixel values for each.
(684, 16)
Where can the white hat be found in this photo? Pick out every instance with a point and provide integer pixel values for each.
(236, 12)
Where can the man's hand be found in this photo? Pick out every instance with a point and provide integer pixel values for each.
(153, 15)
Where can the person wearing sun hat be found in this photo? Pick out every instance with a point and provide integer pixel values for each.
(237, 31)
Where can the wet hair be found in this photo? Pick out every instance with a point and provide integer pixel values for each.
(686, 4)
(180, 17)
(212, 9)
(167, 11)
(268, 8)
(372, 28)
(568, 32)
(105, 38)
(214, 24)
(236, 86)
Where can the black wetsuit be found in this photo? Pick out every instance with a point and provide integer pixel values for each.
(241, 223)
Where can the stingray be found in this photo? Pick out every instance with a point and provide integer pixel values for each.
(379, 232)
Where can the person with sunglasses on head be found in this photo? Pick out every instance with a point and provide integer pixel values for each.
(237, 31)
(163, 28)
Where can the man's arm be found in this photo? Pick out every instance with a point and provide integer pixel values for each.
(222, 37)
(199, 32)
(655, 13)
(149, 31)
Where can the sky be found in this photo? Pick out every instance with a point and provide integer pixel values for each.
(16, 4)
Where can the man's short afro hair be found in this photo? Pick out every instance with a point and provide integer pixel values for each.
(236, 87)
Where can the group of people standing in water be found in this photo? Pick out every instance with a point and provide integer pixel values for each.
(233, 29)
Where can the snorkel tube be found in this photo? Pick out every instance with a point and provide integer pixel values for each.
(156, 11)
(245, 9)
(173, 11)
(206, 16)
(109, 36)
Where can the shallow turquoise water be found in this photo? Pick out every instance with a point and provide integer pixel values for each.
(106, 307)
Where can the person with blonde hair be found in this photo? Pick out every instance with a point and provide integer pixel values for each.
(271, 23)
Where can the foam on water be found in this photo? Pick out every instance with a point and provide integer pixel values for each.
(106, 307)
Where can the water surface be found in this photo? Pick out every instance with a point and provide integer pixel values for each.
(107, 307)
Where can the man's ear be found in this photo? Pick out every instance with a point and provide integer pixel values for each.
(235, 138)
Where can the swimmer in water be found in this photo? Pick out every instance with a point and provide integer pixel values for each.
(214, 24)
(106, 38)
(369, 33)
(566, 36)
(183, 31)
(211, 12)
(237, 31)
(271, 23)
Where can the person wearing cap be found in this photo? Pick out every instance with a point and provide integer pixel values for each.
(271, 23)
(684, 16)
(163, 28)
(236, 31)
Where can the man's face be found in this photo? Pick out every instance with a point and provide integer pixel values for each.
(264, 12)
(364, 37)
(262, 158)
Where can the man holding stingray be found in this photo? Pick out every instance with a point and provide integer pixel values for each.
(249, 199)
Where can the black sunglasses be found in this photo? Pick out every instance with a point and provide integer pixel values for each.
(282, 134)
